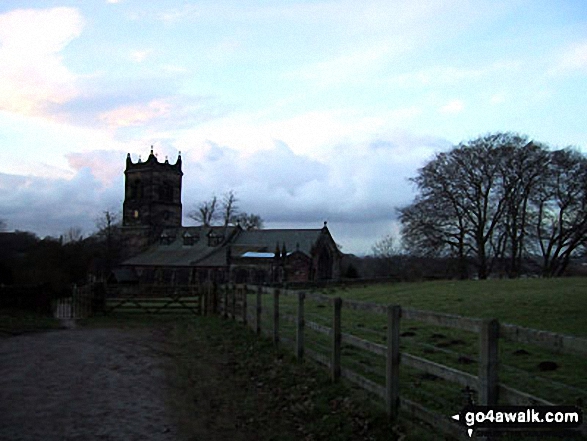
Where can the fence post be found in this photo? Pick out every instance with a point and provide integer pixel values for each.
(276, 316)
(300, 328)
(225, 301)
(392, 362)
(74, 299)
(488, 363)
(245, 306)
(214, 297)
(233, 301)
(259, 309)
(336, 339)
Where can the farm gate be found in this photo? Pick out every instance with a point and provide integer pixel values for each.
(155, 299)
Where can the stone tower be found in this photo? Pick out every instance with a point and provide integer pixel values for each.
(152, 200)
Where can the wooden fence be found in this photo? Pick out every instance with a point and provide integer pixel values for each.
(153, 299)
(486, 383)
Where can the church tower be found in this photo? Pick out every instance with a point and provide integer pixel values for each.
(152, 200)
(152, 193)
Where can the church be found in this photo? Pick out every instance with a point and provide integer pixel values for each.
(161, 250)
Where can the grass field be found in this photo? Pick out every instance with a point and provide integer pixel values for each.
(556, 305)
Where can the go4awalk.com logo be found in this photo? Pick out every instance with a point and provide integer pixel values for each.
(550, 419)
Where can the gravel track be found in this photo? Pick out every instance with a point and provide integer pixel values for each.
(84, 384)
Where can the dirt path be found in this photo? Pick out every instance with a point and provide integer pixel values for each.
(84, 384)
(170, 379)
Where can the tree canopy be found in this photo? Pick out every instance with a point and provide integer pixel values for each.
(497, 201)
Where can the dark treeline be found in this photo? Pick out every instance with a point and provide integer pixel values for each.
(501, 203)
(58, 263)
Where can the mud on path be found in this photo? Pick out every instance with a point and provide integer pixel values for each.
(85, 384)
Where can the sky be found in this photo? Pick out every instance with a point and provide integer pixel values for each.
(308, 110)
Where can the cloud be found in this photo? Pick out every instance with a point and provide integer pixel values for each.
(359, 183)
(498, 98)
(354, 67)
(452, 75)
(104, 165)
(162, 113)
(140, 55)
(309, 133)
(33, 76)
(171, 16)
(572, 59)
(356, 189)
(51, 206)
(452, 107)
(136, 115)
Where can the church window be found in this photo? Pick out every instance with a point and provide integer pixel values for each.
(166, 192)
(136, 190)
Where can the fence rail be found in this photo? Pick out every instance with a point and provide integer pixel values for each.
(155, 299)
(485, 383)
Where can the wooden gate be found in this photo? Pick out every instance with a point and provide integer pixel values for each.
(153, 299)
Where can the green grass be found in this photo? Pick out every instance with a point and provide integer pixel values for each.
(15, 321)
(556, 305)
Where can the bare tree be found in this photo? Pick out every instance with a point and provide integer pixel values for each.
(521, 173)
(229, 208)
(386, 247)
(109, 230)
(249, 221)
(500, 199)
(225, 211)
(388, 258)
(107, 222)
(205, 213)
(72, 235)
(561, 210)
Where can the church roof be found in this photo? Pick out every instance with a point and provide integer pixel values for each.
(172, 249)
(191, 246)
(266, 241)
